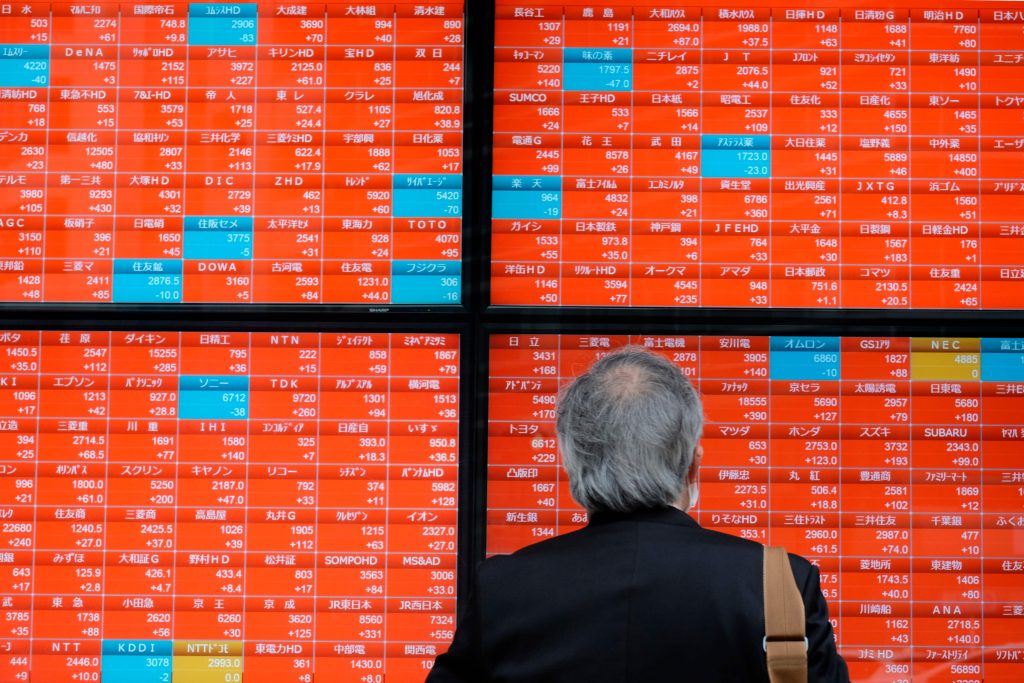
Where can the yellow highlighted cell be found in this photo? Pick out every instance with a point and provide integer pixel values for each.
(217, 669)
(207, 661)
(211, 648)
(950, 359)
(945, 344)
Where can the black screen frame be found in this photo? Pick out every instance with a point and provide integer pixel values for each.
(475, 319)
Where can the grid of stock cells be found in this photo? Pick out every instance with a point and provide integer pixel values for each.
(231, 152)
(213, 507)
(758, 155)
(892, 463)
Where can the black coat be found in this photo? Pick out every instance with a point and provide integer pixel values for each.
(639, 597)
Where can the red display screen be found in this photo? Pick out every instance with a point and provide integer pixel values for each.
(892, 463)
(263, 152)
(758, 154)
(218, 507)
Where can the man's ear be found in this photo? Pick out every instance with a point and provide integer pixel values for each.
(698, 455)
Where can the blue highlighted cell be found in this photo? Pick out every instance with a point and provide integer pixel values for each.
(804, 344)
(27, 51)
(607, 55)
(527, 197)
(804, 358)
(150, 669)
(427, 203)
(212, 23)
(735, 164)
(1002, 360)
(221, 10)
(735, 142)
(129, 266)
(24, 66)
(218, 223)
(214, 383)
(426, 181)
(526, 205)
(427, 268)
(736, 156)
(1002, 345)
(427, 195)
(134, 648)
(147, 281)
(598, 70)
(213, 397)
(128, 661)
(426, 282)
(218, 237)
(607, 69)
(218, 245)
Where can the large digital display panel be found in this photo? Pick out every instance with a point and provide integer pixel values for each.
(860, 155)
(264, 152)
(227, 506)
(893, 463)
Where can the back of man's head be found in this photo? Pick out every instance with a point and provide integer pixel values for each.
(627, 429)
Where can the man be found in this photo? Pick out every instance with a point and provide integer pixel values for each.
(643, 594)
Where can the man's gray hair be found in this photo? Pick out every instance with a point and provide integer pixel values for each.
(627, 428)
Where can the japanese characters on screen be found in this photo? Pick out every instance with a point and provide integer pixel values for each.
(220, 507)
(758, 154)
(256, 152)
(892, 463)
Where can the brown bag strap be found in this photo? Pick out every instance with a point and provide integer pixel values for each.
(785, 641)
